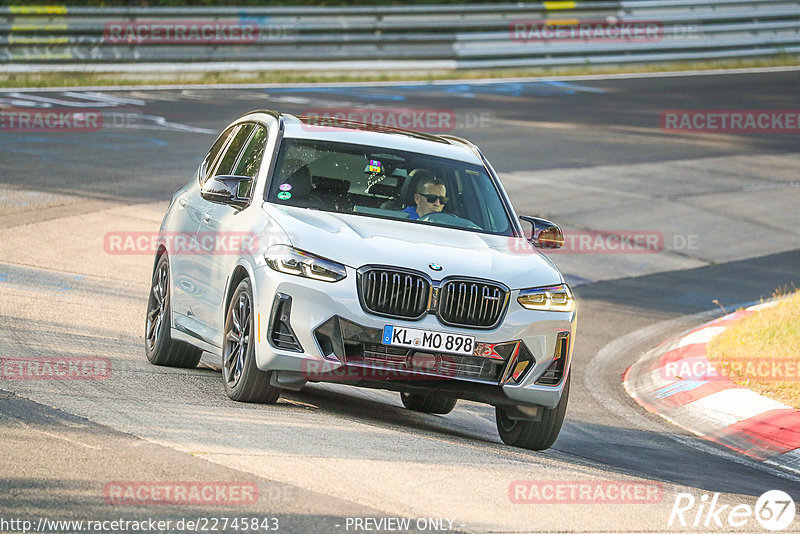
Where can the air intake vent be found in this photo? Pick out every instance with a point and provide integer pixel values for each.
(555, 372)
(394, 293)
(471, 303)
(280, 333)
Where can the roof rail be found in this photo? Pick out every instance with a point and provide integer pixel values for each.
(277, 114)
(452, 139)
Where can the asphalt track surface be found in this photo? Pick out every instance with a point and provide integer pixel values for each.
(589, 154)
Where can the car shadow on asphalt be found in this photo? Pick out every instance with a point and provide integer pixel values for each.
(690, 464)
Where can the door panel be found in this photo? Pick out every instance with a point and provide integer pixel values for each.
(216, 238)
(187, 286)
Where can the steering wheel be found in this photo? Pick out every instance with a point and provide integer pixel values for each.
(449, 219)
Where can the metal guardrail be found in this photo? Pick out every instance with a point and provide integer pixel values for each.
(411, 37)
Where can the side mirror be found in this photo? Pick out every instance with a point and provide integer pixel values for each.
(546, 234)
(231, 190)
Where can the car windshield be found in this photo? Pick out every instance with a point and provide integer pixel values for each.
(392, 184)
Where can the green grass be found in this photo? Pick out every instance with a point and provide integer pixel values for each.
(55, 79)
(762, 351)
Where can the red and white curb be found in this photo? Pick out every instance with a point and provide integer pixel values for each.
(677, 382)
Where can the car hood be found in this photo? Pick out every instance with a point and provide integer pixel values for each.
(357, 240)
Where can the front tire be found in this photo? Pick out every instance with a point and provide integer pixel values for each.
(244, 382)
(534, 435)
(428, 402)
(159, 346)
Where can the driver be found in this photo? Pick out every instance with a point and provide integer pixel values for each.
(431, 196)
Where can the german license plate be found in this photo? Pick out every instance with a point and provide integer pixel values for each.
(398, 336)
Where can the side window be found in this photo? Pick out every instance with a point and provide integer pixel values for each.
(251, 158)
(208, 162)
(490, 212)
(228, 159)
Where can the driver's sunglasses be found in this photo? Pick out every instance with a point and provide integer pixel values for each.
(432, 198)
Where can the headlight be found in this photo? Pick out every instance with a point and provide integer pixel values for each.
(553, 298)
(286, 259)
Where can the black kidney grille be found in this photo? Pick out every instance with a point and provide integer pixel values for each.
(471, 303)
(394, 293)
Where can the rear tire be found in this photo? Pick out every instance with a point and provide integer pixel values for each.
(244, 381)
(159, 346)
(428, 402)
(534, 435)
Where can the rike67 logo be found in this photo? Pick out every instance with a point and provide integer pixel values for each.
(774, 510)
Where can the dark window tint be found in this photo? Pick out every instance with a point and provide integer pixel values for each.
(208, 163)
(251, 158)
(232, 151)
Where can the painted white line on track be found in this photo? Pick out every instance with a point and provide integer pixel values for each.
(763, 306)
(727, 407)
(701, 336)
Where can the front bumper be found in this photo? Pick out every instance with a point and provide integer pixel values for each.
(338, 341)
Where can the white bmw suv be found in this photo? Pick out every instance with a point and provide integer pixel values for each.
(310, 250)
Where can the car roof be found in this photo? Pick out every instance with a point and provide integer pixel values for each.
(361, 133)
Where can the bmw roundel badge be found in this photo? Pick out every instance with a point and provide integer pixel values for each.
(435, 266)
